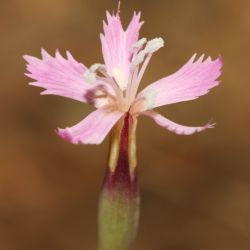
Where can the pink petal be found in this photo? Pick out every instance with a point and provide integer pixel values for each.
(175, 127)
(93, 129)
(117, 43)
(194, 79)
(58, 75)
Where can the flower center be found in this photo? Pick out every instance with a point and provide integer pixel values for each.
(119, 92)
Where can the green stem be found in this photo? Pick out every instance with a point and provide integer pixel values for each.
(119, 201)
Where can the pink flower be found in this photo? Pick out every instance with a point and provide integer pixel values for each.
(112, 87)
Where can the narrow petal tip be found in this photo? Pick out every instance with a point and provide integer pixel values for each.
(65, 134)
(118, 8)
(25, 57)
(210, 124)
(30, 59)
(175, 127)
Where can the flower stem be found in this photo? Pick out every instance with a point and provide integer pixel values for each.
(119, 201)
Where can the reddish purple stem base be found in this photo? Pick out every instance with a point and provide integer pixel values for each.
(121, 178)
(119, 200)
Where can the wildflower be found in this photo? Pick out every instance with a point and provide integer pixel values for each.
(112, 89)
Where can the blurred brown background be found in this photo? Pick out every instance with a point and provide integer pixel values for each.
(195, 189)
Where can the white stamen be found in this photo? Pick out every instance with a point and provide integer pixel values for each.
(90, 77)
(97, 66)
(150, 96)
(154, 45)
(138, 59)
(120, 78)
(139, 44)
(90, 74)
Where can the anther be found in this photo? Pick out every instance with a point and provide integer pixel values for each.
(138, 59)
(139, 44)
(97, 66)
(89, 76)
(154, 45)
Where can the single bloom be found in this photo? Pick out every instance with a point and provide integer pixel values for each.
(112, 87)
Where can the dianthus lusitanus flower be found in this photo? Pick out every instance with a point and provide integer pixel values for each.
(112, 88)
